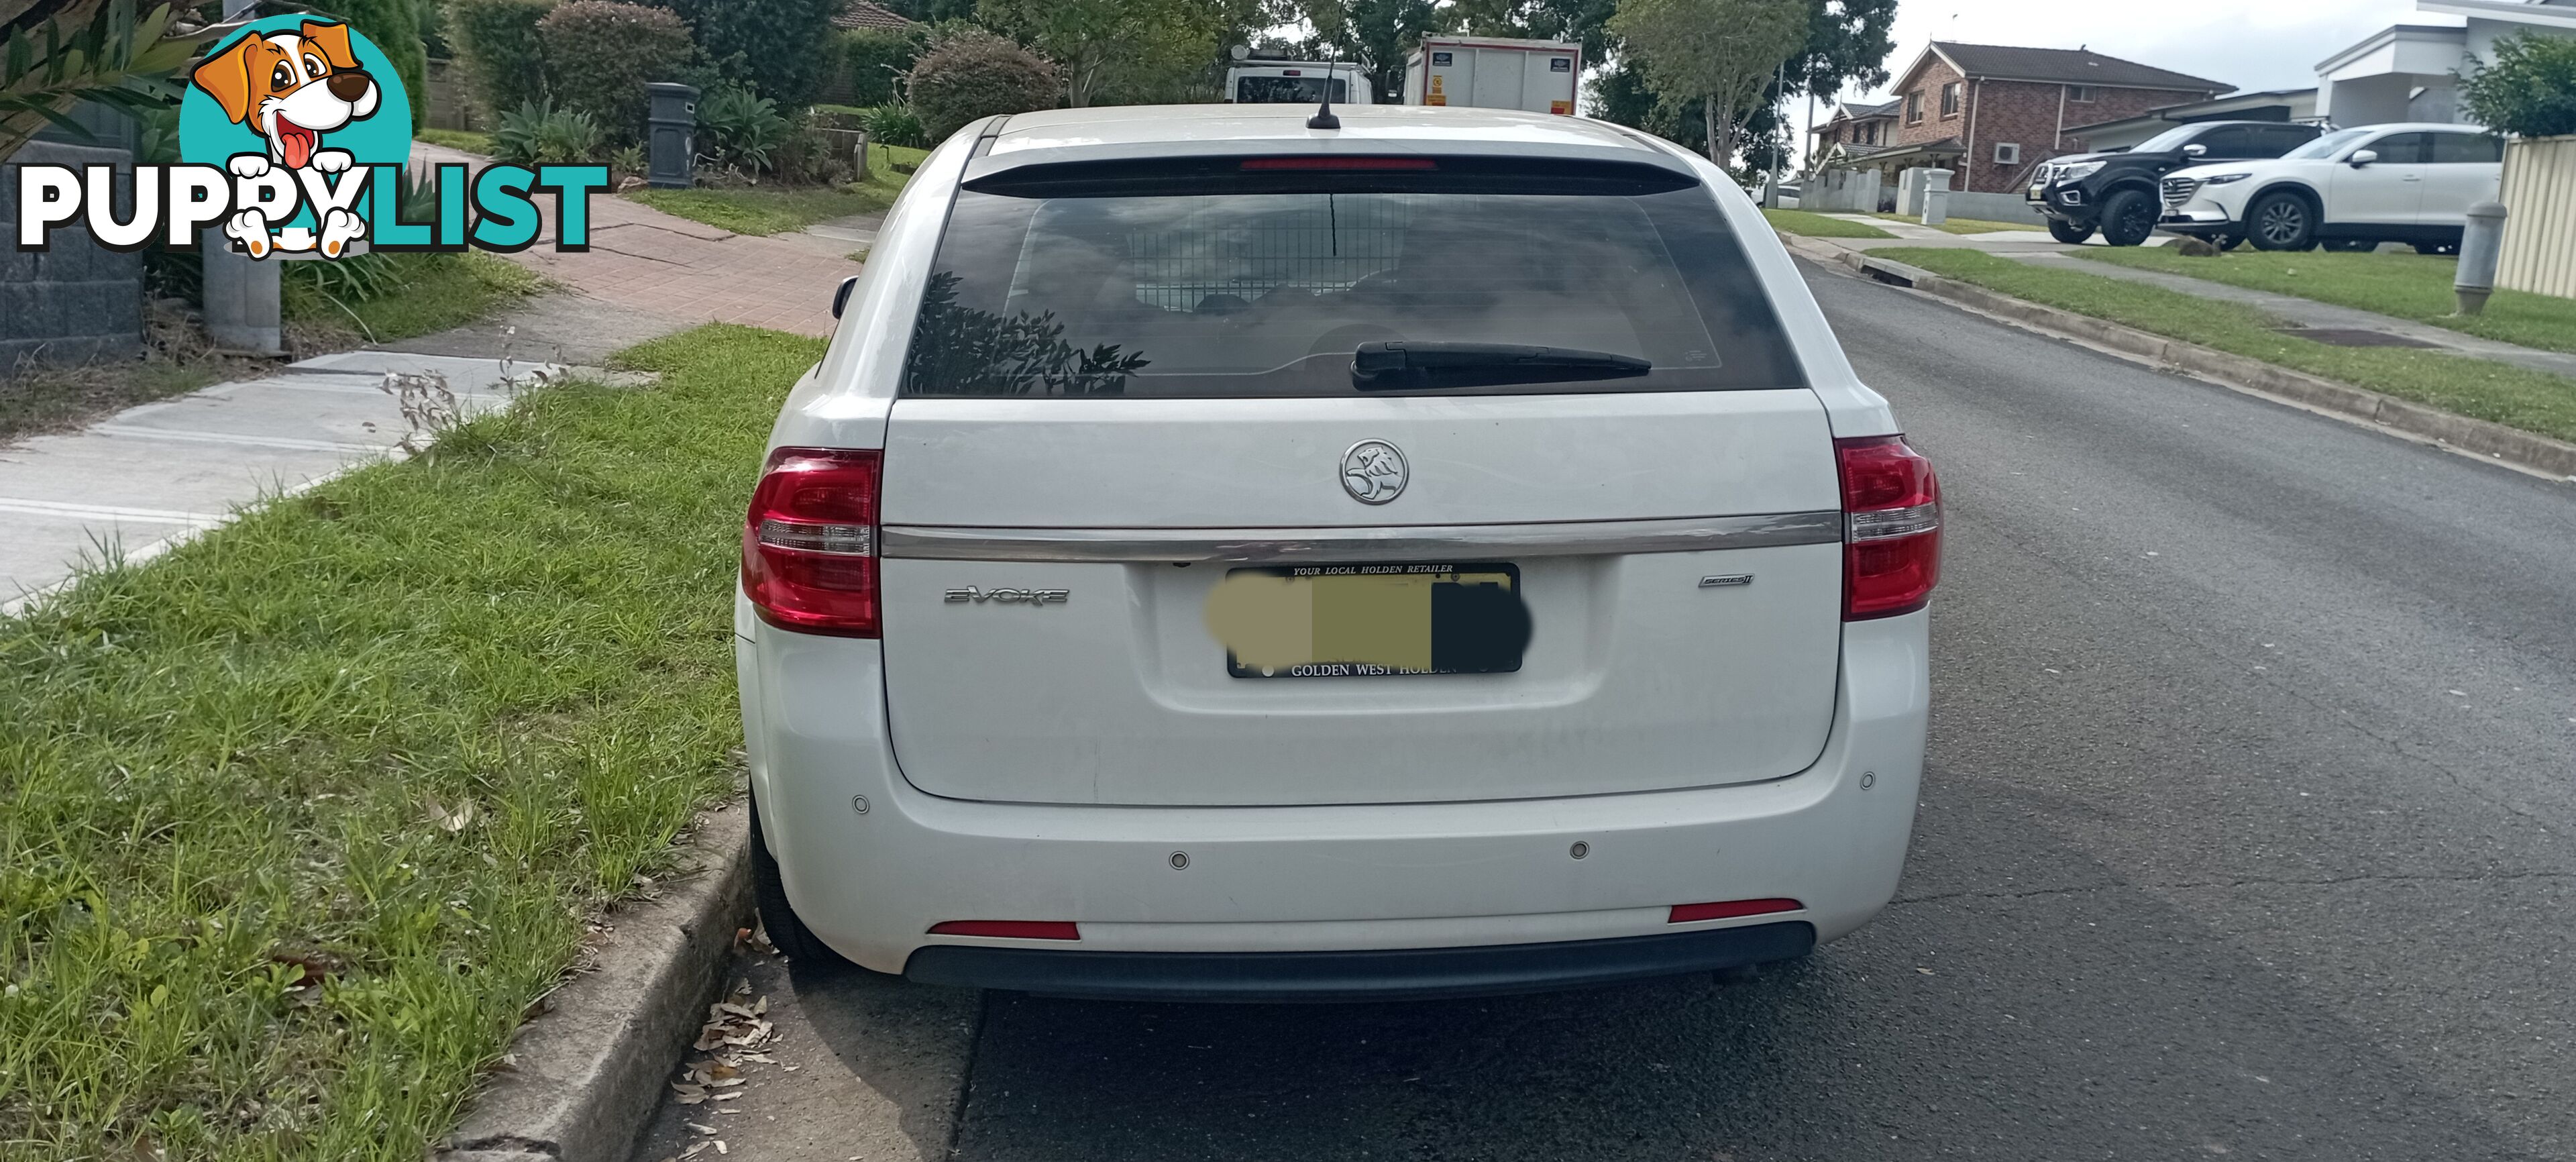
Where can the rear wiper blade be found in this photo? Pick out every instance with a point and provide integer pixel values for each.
(1406, 363)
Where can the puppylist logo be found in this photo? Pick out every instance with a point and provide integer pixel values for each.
(293, 138)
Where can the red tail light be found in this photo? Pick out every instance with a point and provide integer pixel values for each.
(1730, 909)
(1891, 527)
(809, 546)
(1013, 929)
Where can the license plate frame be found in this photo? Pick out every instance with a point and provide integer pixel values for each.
(1404, 619)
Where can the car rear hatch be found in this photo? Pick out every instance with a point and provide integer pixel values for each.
(1355, 480)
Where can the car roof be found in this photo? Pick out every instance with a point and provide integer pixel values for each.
(1144, 131)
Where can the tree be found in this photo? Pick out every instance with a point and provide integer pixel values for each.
(1717, 54)
(2529, 90)
(394, 26)
(1097, 42)
(86, 50)
(1584, 22)
(970, 73)
(782, 47)
(1375, 35)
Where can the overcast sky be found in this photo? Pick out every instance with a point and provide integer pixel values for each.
(2252, 44)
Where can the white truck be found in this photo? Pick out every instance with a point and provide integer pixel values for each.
(1255, 81)
(1493, 72)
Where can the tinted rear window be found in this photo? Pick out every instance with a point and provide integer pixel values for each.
(1288, 91)
(1255, 285)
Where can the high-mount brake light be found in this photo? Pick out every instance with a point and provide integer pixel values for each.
(1892, 527)
(1338, 163)
(809, 544)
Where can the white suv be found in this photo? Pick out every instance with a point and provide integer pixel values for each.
(2351, 189)
(1222, 558)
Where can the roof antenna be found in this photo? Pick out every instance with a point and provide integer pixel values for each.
(1323, 118)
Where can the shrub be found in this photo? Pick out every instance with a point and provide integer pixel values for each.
(497, 40)
(740, 128)
(970, 74)
(782, 48)
(537, 133)
(395, 27)
(813, 157)
(894, 125)
(872, 58)
(2529, 90)
(600, 53)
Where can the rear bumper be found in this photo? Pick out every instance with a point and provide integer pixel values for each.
(1452, 885)
(1361, 975)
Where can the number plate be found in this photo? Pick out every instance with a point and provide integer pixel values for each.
(1377, 620)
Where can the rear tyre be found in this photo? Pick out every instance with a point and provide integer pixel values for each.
(2128, 218)
(2068, 232)
(786, 932)
(2281, 221)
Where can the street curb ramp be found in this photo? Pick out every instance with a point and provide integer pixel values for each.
(585, 1075)
(2482, 437)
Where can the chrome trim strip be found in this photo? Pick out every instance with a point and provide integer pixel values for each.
(1358, 545)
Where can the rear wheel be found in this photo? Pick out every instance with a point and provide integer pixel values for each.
(2128, 218)
(2281, 221)
(786, 932)
(2068, 232)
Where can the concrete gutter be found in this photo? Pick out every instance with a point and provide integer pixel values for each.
(2536, 454)
(584, 1077)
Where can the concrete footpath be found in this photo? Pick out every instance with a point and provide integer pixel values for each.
(134, 484)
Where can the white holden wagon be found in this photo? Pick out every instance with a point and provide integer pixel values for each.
(1228, 557)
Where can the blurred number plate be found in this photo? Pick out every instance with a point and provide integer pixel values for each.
(1350, 621)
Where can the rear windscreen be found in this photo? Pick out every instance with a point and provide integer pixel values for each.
(1266, 284)
(1287, 91)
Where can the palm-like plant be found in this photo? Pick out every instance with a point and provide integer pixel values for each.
(96, 50)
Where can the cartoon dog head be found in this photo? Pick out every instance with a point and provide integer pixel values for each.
(291, 87)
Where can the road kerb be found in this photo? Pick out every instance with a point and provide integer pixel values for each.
(2489, 440)
(585, 1075)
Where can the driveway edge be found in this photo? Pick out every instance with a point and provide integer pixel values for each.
(585, 1075)
(2526, 450)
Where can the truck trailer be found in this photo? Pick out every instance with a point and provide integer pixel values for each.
(1492, 72)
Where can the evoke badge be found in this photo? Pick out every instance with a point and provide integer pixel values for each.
(1008, 596)
(1373, 472)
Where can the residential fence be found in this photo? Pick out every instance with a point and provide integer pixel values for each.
(2540, 224)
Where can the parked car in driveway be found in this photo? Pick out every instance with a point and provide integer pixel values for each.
(2117, 193)
(2351, 189)
(1219, 558)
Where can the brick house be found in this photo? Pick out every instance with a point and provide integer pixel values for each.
(1856, 130)
(1991, 112)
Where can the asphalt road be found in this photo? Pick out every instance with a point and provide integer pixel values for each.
(2246, 833)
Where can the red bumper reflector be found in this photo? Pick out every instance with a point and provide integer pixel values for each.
(1721, 910)
(1009, 929)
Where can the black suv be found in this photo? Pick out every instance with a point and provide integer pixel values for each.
(2116, 192)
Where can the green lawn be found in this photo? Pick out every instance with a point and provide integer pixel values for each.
(1819, 226)
(1966, 225)
(2409, 286)
(378, 298)
(768, 210)
(467, 140)
(43, 399)
(298, 819)
(2531, 400)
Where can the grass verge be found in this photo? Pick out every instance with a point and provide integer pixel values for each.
(1966, 225)
(769, 210)
(53, 398)
(1815, 225)
(2408, 286)
(2518, 397)
(298, 819)
(378, 298)
(467, 140)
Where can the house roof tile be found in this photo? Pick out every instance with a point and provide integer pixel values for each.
(2066, 66)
